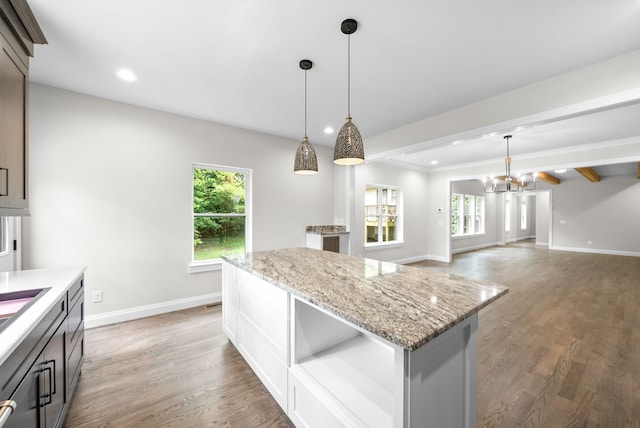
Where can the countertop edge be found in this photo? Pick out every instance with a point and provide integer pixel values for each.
(20, 328)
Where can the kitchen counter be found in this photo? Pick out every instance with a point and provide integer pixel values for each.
(58, 280)
(405, 305)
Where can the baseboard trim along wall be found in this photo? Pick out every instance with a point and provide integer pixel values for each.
(597, 251)
(129, 314)
(474, 247)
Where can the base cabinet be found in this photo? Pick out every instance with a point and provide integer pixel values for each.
(327, 372)
(41, 375)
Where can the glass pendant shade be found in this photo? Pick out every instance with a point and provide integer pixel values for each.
(349, 149)
(306, 162)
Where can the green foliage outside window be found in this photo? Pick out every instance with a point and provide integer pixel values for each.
(454, 214)
(220, 196)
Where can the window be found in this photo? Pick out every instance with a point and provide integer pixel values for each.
(221, 214)
(381, 212)
(507, 216)
(467, 214)
(523, 214)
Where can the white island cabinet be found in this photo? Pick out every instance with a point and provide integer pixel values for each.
(341, 341)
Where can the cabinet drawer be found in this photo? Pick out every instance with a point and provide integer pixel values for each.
(75, 320)
(76, 292)
(271, 296)
(272, 327)
(267, 365)
(74, 364)
(307, 410)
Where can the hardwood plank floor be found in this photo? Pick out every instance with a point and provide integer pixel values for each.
(561, 349)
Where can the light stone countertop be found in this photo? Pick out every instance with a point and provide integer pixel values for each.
(405, 305)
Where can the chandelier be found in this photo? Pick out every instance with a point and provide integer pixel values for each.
(507, 183)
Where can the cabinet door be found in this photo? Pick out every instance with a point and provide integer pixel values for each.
(27, 413)
(13, 128)
(52, 379)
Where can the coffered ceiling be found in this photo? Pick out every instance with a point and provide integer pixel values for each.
(236, 62)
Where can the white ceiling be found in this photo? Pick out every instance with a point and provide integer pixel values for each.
(236, 61)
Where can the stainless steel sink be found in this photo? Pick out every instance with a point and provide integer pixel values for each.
(15, 303)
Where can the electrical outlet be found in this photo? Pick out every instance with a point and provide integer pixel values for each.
(97, 296)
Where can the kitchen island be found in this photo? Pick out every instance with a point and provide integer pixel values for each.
(346, 341)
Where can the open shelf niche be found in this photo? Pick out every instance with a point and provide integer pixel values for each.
(355, 369)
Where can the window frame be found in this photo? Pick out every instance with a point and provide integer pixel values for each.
(399, 238)
(196, 266)
(469, 210)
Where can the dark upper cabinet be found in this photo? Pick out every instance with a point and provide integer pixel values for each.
(18, 32)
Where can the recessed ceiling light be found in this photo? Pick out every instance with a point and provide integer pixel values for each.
(560, 171)
(328, 130)
(434, 162)
(126, 75)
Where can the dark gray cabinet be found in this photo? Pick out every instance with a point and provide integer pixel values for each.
(41, 394)
(18, 32)
(42, 373)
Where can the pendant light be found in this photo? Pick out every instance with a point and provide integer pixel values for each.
(511, 184)
(348, 149)
(306, 162)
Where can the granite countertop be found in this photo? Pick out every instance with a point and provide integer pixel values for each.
(328, 230)
(405, 305)
(58, 280)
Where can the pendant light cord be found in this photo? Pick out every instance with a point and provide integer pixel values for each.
(305, 103)
(349, 75)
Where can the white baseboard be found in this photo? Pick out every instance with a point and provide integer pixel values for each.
(420, 259)
(597, 251)
(474, 247)
(129, 314)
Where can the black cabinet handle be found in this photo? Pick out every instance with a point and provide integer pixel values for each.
(6, 183)
(46, 397)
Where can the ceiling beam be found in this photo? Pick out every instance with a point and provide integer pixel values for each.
(548, 178)
(589, 174)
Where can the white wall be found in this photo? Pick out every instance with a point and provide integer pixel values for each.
(543, 201)
(599, 217)
(110, 188)
(413, 185)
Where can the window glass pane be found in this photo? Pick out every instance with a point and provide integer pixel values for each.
(454, 214)
(372, 229)
(371, 201)
(214, 236)
(479, 214)
(216, 191)
(388, 229)
(468, 214)
(523, 214)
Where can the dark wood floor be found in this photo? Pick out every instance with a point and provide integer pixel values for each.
(561, 349)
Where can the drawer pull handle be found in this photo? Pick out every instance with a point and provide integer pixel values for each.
(6, 409)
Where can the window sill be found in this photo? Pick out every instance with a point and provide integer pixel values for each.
(476, 235)
(205, 266)
(383, 245)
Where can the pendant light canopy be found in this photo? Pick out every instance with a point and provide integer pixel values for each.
(349, 149)
(306, 162)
